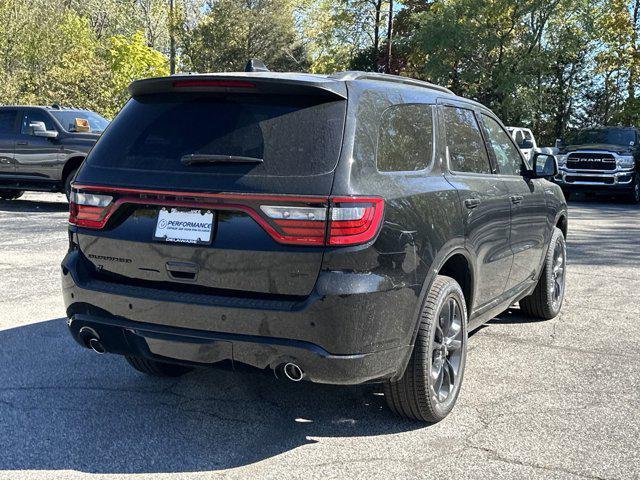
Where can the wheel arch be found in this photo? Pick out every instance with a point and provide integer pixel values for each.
(72, 164)
(562, 222)
(455, 262)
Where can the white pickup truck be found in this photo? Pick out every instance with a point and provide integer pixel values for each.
(525, 140)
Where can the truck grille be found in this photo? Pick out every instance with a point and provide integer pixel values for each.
(591, 161)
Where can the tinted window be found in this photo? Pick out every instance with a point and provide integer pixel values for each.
(67, 119)
(293, 135)
(467, 152)
(507, 155)
(35, 116)
(604, 136)
(7, 121)
(405, 138)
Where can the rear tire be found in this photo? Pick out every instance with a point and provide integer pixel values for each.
(430, 385)
(154, 368)
(11, 194)
(546, 300)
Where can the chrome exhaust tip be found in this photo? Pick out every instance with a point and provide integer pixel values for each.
(96, 346)
(293, 372)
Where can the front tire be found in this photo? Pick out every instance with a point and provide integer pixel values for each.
(154, 368)
(11, 194)
(546, 300)
(430, 385)
(634, 195)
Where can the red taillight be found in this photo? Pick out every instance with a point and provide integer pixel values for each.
(301, 220)
(213, 83)
(354, 220)
(89, 210)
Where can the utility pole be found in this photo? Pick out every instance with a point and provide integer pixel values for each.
(172, 41)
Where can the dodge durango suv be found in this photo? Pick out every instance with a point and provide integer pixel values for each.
(339, 229)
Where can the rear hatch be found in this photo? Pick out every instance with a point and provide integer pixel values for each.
(213, 184)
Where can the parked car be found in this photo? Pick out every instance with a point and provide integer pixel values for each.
(41, 148)
(601, 160)
(338, 229)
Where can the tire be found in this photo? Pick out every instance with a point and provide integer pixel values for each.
(416, 395)
(634, 195)
(11, 194)
(546, 300)
(67, 183)
(154, 368)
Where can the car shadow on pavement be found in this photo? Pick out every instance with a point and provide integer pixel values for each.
(66, 408)
(30, 206)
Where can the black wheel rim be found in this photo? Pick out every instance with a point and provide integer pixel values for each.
(636, 189)
(556, 289)
(446, 354)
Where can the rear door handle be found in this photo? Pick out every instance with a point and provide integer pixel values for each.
(22, 142)
(517, 199)
(472, 202)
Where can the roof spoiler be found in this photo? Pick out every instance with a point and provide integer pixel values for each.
(260, 82)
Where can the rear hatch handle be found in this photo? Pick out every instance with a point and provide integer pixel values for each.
(183, 271)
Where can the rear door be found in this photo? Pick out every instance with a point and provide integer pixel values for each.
(258, 168)
(484, 198)
(37, 157)
(528, 205)
(8, 119)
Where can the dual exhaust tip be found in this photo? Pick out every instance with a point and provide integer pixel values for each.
(91, 340)
(291, 372)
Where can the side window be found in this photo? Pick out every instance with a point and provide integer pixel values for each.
(35, 116)
(405, 138)
(7, 121)
(467, 151)
(507, 155)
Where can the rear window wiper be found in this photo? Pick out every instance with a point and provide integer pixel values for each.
(202, 158)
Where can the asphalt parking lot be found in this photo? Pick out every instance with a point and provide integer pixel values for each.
(554, 399)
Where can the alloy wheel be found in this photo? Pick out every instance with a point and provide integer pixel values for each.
(558, 274)
(446, 353)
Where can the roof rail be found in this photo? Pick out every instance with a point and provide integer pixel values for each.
(384, 77)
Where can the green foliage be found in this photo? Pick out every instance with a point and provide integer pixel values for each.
(130, 59)
(552, 65)
(236, 30)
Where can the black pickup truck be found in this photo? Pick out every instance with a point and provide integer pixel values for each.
(601, 160)
(41, 148)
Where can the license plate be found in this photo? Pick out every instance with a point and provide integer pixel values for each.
(184, 226)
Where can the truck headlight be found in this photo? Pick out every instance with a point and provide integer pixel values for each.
(562, 160)
(626, 161)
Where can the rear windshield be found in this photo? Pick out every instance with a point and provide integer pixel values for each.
(293, 135)
(612, 136)
(67, 119)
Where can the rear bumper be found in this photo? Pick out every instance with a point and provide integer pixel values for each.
(350, 331)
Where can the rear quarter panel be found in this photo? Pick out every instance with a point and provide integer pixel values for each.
(422, 220)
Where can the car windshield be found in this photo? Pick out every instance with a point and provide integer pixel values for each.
(604, 136)
(67, 119)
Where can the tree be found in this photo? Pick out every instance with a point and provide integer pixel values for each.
(236, 30)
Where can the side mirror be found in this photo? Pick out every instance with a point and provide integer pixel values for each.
(526, 144)
(544, 166)
(39, 129)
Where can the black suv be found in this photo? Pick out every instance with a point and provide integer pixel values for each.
(601, 160)
(41, 148)
(339, 229)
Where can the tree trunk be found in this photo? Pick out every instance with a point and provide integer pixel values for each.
(172, 41)
(376, 34)
(390, 37)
